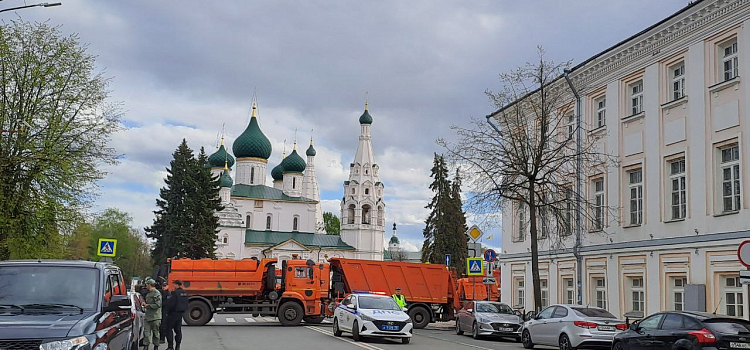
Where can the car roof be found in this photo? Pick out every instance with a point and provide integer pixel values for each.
(371, 295)
(701, 315)
(64, 263)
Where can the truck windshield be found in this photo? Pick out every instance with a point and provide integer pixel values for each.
(495, 308)
(378, 303)
(44, 285)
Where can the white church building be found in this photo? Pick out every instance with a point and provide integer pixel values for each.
(284, 220)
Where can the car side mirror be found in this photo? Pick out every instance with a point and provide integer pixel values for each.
(117, 303)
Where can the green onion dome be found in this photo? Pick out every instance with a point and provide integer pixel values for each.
(217, 159)
(293, 163)
(277, 173)
(364, 119)
(226, 179)
(394, 240)
(252, 143)
(311, 150)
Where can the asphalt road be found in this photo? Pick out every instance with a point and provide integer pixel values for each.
(242, 332)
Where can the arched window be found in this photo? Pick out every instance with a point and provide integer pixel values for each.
(350, 214)
(367, 191)
(268, 222)
(366, 172)
(294, 182)
(295, 224)
(380, 216)
(252, 175)
(366, 214)
(225, 239)
(248, 221)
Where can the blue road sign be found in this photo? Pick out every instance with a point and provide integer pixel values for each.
(490, 255)
(447, 260)
(107, 247)
(474, 267)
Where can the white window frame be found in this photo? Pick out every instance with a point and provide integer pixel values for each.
(677, 293)
(637, 294)
(600, 291)
(600, 117)
(520, 234)
(543, 282)
(570, 124)
(635, 196)
(544, 227)
(728, 52)
(597, 188)
(569, 290)
(520, 289)
(636, 97)
(732, 295)
(295, 223)
(252, 175)
(269, 222)
(729, 165)
(569, 215)
(677, 188)
(677, 73)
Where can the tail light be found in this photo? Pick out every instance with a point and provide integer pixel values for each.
(622, 327)
(132, 315)
(585, 324)
(703, 336)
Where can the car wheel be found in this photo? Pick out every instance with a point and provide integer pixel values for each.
(617, 346)
(336, 329)
(405, 340)
(458, 328)
(526, 340)
(355, 332)
(564, 342)
(475, 331)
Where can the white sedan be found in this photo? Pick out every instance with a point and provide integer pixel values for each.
(371, 315)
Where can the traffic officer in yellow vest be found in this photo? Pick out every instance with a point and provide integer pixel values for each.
(399, 298)
(153, 315)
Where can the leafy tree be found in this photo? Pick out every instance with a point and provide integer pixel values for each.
(445, 226)
(185, 224)
(332, 223)
(55, 126)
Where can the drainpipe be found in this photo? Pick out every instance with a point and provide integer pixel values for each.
(577, 246)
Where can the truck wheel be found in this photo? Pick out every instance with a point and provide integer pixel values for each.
(290, 314)
(355, 332)
(198, 313)
(420, 316)
(313, 319)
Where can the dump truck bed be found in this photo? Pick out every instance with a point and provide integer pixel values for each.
(419, 283)
(224, 277)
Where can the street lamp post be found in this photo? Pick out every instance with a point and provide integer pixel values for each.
(44, 4)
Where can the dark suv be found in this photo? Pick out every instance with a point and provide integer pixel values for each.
(685, 330)
(64, 305)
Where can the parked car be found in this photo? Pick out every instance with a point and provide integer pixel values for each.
(138, 314)
(572, 326)
(48, 305)
(483, 318)
(685, 330)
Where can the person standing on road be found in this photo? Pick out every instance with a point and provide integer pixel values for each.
(176, 306)
(399, 298)
(164, 290)
(153, 315)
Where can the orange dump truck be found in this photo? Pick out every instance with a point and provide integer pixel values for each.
(303, 290)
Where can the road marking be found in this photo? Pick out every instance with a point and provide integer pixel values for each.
(330, 334)
(457, 342)
(212, 321)
(230, 320)
(248, 319)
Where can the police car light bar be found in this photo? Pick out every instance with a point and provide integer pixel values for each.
(367, 292)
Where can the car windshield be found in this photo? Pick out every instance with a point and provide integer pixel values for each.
(728, 326)
(494, 308)
(592, 312)
(378, 303)
(25, 286)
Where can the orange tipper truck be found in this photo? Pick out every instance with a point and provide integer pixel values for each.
(303, 290)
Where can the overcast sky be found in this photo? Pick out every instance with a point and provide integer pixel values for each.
(182, 69)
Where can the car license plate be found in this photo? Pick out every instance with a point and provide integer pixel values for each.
(389, 328)
(606, 328)
(739, 345)
(506, 329)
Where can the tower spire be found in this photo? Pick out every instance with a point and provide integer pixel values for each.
(295, 139)
(367, 100)
(255, 110)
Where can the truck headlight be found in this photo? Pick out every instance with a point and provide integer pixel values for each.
(367, 318)
(68, 344)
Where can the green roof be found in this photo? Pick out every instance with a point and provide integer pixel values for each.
(226, 179)
(311, 151)
(252, 142)
(304, 238)
(293, 163)
(365, 118)
(265, 192)
(217, 159)
(394, 240)
(277, 173)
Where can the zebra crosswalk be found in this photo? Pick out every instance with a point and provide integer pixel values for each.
(242, 319)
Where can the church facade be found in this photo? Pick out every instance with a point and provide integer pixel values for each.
(283, 219)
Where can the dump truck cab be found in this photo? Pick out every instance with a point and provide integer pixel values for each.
(304, 291)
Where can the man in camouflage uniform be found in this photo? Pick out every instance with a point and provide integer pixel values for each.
(153, 315)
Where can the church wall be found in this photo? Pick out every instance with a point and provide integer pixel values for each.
(282, 215)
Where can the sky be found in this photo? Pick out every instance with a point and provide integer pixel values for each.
(187, 69)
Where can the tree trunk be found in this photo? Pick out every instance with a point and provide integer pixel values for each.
(534, 250)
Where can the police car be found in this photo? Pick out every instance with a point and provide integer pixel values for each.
(367, 314)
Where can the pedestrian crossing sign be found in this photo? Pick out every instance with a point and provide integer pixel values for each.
(474, 267)
(107, 247)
